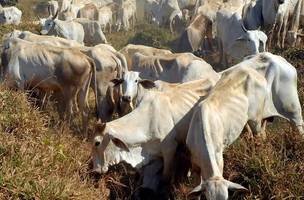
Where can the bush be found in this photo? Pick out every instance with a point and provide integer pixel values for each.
(152, 35)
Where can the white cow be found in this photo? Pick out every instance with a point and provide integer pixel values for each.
(281, 76)
(10, 15)
(261, 13)
(159, 122)
(129, 51)
(66, 29)
(173, 68)
(50, 68)
(126, 15)
(105, 18)
(45, 39)
(234, 40)
(217, 122)
(93, 34)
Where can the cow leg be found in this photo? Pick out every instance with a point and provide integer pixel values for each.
(69, 96)
(279, 39)
(256, 127)
(284, 33)
(84, 110)
(168, 150)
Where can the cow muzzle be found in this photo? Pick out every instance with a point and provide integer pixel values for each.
(126, 99)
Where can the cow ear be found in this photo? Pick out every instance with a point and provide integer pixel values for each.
(148, 84)
(100, 126)
(117, 142)
(117, 81)
(196, 192)
(241, 38)
(235, 186)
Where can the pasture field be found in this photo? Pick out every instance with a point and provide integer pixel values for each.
(40, 160)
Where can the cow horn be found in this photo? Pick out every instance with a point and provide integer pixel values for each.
(49, 10)
(55, 16)
(244, 28)
(300, 34)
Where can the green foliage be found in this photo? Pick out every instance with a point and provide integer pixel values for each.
(152, 35)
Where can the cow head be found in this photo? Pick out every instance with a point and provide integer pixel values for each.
(215, 189)
(251, 42)
(6, 17)
(129, 85)
(106, 149)
(47, 24)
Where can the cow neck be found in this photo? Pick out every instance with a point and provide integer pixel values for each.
(139, 95)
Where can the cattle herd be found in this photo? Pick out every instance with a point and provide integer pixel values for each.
(162, 99)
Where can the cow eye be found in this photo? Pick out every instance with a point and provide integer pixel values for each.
(97, 143)
(136, 81)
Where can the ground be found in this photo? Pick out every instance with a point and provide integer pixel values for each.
(39, 160)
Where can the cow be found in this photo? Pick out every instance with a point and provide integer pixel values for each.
(89, 11)
(110, 64)
(235, 40)
(172, 68)
(210, 132)
(105, 17)
(10, 15)
(93, 34)
(43, 39)
(192, 38)
(126, 15)
(49, 68)
(261, 14)
(66, 29)
(154, 128)
(129, 51)
(282, 99)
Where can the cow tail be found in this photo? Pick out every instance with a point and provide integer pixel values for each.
(93, 75)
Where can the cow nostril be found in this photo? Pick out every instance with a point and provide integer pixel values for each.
(97, 143)
(126, 98)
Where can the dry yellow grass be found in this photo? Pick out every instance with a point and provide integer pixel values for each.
(37, 161)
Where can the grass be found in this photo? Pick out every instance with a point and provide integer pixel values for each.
(37, 161)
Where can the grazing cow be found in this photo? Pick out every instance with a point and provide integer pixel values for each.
(129, 51)
(66, 29)
(10, 15)
(45, 39)
(282, 98)
(192, 38)
(210, 132)
(235, 40)
(93, 34)
(49, 68)
(159, 122)
(126, 15)
(53, 7)
(170, 68)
